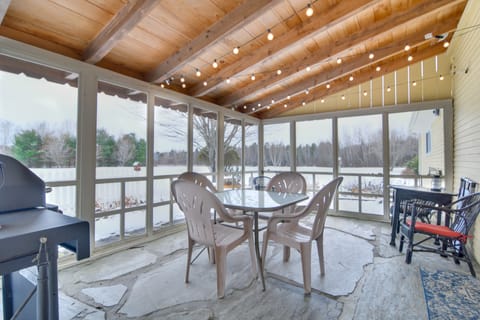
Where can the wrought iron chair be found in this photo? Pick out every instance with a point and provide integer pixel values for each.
(288, 230)
(457, 219)
(197, 204)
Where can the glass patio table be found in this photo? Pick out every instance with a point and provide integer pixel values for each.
(256, 201)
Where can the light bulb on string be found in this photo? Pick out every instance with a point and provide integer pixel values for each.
(270, 35)
(215, 64)
(309, 11)
(182, 79)
(236, 50)
(252, 76)
(279, 72)
(371, 56)
(198, 73)
(339, 60)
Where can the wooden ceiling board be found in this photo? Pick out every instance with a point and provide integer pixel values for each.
(48, 21)
(149, 45)
(112, 6)
(100, 14)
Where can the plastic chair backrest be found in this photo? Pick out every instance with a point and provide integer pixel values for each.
(292, 182)
(320, 204)
(198, 179)
(197, 203)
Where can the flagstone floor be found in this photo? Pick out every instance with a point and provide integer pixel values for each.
(365, 278)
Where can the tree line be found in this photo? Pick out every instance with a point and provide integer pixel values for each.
(39, 148)
(44, 148)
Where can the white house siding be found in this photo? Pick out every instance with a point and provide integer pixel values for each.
(465, 58)
(434, 159)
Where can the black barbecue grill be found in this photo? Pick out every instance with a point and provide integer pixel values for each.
(30, 232)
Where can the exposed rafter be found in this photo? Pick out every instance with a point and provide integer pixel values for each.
(122, 23)
(319, 23)
(238, 18)
(242, 95)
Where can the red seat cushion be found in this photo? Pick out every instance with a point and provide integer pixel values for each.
(438, 230)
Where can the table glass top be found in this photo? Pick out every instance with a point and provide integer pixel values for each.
(252, 200)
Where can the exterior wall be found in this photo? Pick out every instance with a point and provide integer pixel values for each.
(465, 58)
(434, 159)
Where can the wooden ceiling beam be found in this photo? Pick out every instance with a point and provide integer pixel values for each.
(4, 4)
(236, 19)
(415, 39)
(240, 96)
(388, 65)
(121, 24)
(315, 25)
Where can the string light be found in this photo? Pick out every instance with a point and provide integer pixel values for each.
(351, 78)
(441, 78)
(288, 97)
(182, 79)
(365, 93)
(371, 56)
(303, 103)
(307, 91)
(328, 85)
(343, 97)
(446, 44)
(184, 85)
(273, 101)
(410, 58)
(162, 85)
(389, 89)
(322, 101)
(285, 105)
(198, 73)
(308, 68)
(215, 64)
(309, 11)
(270, 35)
(339, 60)
(228, 80)
(414, 83)
(252, 76)
(279, 72)
(407, 47)
(236, 50)
(378, 68)
(268, 107)
(205, 83)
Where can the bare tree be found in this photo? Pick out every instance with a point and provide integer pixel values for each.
(126, 149)
(6, 134)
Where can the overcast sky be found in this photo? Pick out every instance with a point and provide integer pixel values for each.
(26, 102)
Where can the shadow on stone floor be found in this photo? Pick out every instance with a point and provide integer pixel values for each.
(365, 278)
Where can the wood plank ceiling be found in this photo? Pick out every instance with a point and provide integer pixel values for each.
(174, 43)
